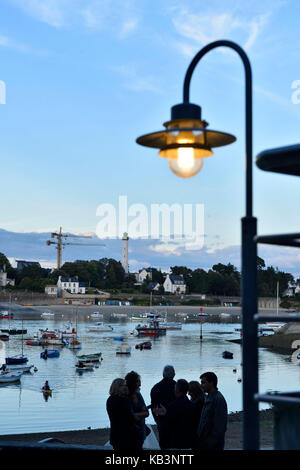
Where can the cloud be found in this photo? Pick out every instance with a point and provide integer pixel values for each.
(203, 29)
(134, 81)
(52, 12)
(115, 15)
(10, 43)
(32, 246)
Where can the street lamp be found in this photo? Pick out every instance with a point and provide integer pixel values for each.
(186, 141)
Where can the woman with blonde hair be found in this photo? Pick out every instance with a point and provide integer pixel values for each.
(124, 432)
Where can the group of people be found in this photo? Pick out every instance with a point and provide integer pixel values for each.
(189, 415)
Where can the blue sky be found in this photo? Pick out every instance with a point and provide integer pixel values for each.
(84, 78)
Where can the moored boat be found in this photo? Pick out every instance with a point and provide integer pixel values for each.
(74, 343)
(119, 315)
(84, 366)
(153, 328)
(124, 348)
(4, 337)
(96, 315)
(96, 357)
(49, 353)
(47, 315)
(100, 326)
(16, 360)
(6, 314)
(36, 342)
(18, 368)
(171, 325)
(8, 377)
(14, 331)
(144, 345)
(227, 355)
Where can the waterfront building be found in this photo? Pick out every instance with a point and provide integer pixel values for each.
(51, 290)
(175, 284)
(4, 280)
(71, 284)
(23, 264)
(144, 274)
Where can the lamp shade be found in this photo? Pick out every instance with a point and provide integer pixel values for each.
(185, 137)
(280, 160)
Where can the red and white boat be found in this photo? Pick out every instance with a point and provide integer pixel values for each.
(6, 314)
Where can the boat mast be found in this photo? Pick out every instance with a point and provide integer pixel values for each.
(277, 297)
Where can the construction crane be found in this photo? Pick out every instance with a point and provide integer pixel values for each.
(60, 243)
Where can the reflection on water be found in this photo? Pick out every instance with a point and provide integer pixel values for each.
(78, 400)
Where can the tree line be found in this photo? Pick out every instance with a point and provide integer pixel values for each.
(107, 273)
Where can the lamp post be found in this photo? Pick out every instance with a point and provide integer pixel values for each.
(186, 142)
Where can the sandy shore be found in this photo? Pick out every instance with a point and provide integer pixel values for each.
(233, 438)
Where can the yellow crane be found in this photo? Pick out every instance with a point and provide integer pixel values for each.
(60, 243)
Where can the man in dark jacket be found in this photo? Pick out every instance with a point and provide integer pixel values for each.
(213, 422)
(178, 428)
(163, 393)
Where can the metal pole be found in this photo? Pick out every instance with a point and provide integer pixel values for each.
(201, 323)
(249, 257)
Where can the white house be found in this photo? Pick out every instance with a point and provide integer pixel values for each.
(71, 284)
(4, 280)
(292, 288)
(51, 290)
(175, 284)
(143, 273)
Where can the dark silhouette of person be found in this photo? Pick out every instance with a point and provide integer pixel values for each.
(213, 422)
(197, 396)
(179, 425)
(133, 381)
(125, 435)
(163, 393)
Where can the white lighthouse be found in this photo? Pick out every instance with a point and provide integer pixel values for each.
(125, 239)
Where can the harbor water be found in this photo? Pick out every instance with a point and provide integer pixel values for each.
(78, 400)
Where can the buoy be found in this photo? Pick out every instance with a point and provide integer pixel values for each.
(239, 379)
(35, 369)
(234, 370)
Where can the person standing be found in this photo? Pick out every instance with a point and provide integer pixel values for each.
(213, 422)
(125, 436)
(163, 393)
(197, 397)
(133, 382)
(179, 425)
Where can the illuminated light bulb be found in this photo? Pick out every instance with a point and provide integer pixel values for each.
(185, 158)
(185, 165)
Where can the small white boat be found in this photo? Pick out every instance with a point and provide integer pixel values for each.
(96, 315)
(8, 377)
(68, 332)
(274, 326)
(182, 315)
(139, 318)
(124, 348)
(225, 315)
(100, 326)
(47, 314)
(119, 315)
(18, 368)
